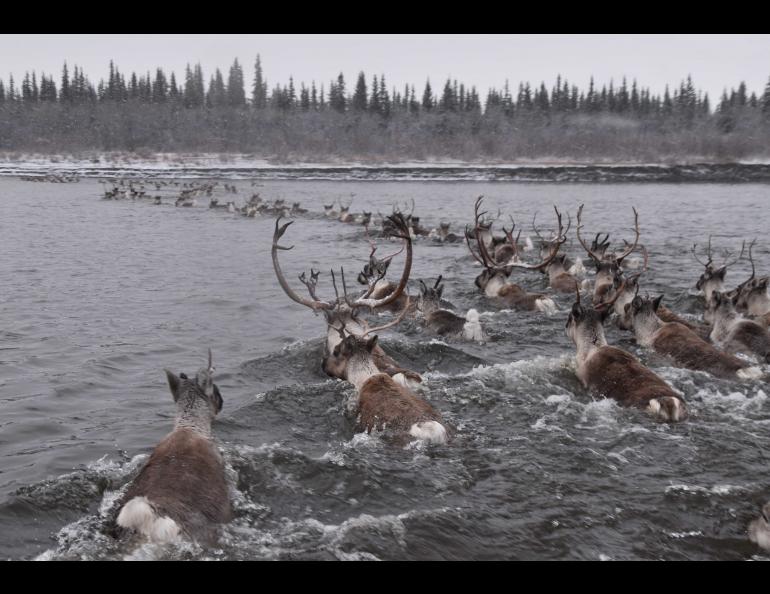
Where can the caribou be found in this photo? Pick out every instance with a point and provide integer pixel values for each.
(734, 332)
(441, 234)
(606, 267)
(383, 404)
(443, 321)
(712, 279)
(680, 344)
(611, 372)
(751, 295)
(342, 313)
(182, 489)
(493, 279)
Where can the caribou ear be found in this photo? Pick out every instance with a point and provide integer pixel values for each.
(656, 303)
(720, 274)
(173, 383)
(577, 311)
(371, 343)
(350, 342)
(762, 283)
(217, 399)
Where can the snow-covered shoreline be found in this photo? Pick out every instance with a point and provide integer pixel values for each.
(246, 166)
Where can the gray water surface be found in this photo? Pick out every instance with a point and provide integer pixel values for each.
(98, 296)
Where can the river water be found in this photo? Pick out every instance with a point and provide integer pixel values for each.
(99, 296)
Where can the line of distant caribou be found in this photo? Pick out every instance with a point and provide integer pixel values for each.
(735, 322)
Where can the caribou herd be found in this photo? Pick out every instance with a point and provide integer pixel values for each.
(731, 342)
(735, 322)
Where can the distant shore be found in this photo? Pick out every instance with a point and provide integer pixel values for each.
(249, 166)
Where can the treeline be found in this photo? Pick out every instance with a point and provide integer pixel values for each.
(372, 120)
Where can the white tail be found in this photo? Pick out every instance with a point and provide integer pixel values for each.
(138, 515)
(430, 431)
(472, 329)
(528, 245)
(750, 373)
(577, 269)
(546, 304)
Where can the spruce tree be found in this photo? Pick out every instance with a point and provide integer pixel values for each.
(385, 106)
(359, 102)
(313, 97)
(35, 90)
(159, 87)
(259, 89)
(765, 102)
(64, 94)
(427, 97)
(339, 101)
(173, 90)
(236, 94)
(374, 102)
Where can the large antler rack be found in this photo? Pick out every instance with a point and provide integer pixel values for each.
(489, 262)
(399, 230)
(710, 260)
(630, 247)
(727, 255)
(514, 242)
(477, 222)
(393, 322)
(314, 303)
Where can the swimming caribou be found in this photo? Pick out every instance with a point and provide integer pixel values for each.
(733, 332)
(446, 322)
(614, 373)
(493, 280)
(607, 265)
(383, 404)
(682, 345)
(182, 490)
(342, 312)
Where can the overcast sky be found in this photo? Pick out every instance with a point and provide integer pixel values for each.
(714, 61)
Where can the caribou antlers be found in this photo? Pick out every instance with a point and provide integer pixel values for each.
(599, 244)
(710, 262)
(488, 262)
(398, 229)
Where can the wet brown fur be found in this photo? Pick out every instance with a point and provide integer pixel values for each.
(444, 322)
(385, 404)
(517, 298)
(184, 479)
(750, 334)
(688, 350)
(666, 315)
(564, 283)
(614, 373)
(388, 365)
